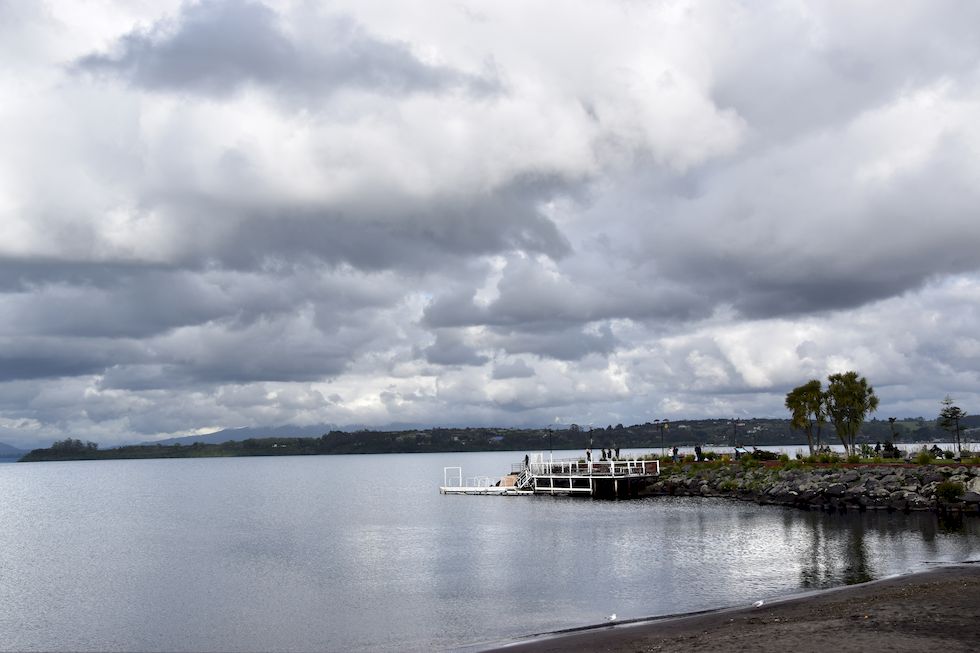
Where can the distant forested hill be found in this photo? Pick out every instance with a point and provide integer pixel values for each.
(719, 433)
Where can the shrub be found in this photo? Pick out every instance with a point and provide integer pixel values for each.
(784, 458)
(710, 455)
(923, 457)
(891, 451)
(854, 458)
(827, 457)
(948, 454)
(949, 491)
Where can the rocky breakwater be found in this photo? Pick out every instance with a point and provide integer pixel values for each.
(813, 487)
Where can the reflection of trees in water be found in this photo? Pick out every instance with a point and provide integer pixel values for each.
(951, 522)
(834, 553)
(812, 567)
(857, 570)
(839, 549)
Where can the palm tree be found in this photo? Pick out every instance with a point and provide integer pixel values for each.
(849, 399)
(806, 405)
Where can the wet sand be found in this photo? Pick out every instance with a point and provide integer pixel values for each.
(936, 610)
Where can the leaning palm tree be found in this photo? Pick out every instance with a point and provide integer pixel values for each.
(808, 414)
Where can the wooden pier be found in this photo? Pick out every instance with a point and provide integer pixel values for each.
(602, 479)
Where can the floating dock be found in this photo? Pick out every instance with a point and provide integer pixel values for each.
(603, 478)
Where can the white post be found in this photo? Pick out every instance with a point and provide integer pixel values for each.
(445, 475)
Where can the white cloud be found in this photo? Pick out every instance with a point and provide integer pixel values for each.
(607, 212)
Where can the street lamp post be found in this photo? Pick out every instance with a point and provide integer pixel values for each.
(663, 426)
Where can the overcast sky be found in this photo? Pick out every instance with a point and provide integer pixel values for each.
(217, 214)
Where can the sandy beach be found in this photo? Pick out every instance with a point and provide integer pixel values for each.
(933, 610)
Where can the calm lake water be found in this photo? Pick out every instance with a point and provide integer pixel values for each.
(347, 553)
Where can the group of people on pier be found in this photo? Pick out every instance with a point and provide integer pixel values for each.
(607, 454)
(698, 455)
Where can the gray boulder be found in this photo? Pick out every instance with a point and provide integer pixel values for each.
(917, 502)
(850, 476)
(972, 493)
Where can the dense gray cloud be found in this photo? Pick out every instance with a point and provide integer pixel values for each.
(515, 370)
(562, 344)
(836, 60)
(217, 46)
(37, 358)
(400, 233)
(218, 214)
(450, 349)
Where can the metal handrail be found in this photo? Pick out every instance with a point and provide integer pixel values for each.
(457, 474)
(523, 479)
(576, 467)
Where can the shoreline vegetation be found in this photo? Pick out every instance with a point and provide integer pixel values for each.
(925, 611)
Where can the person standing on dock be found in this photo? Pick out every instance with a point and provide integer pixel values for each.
(697, 452)
(588, 455)
(675, 454)
(617, 453)
(527, 461)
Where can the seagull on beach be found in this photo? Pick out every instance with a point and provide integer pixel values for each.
(758, 604)
(611, 617)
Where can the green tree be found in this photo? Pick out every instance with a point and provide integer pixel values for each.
(949, 419)
(806, 404)
(848, 399)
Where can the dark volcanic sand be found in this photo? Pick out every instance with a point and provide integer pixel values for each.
(937, 610)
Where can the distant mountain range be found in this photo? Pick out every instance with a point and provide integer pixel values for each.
(247, 432)
(7, 451)
(286, 431)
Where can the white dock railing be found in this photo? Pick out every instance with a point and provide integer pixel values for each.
(578, 467)
(567, 476)
(454, 474)
(453, 477)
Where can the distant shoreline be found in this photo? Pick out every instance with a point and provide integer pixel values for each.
(375, 442)
(709, 433)
(921, 611)
(389, 442)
